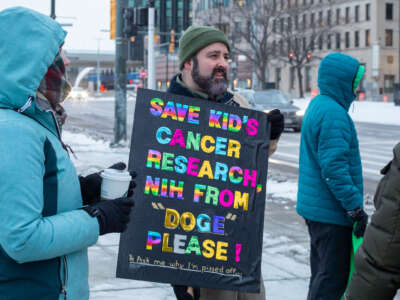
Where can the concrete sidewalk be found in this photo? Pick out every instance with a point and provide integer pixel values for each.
(284, 277)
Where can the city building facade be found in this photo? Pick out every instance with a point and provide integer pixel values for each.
(365, 29)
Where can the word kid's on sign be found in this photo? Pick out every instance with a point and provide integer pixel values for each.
(200, 196)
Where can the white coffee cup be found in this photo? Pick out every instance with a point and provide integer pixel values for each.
(115, 184)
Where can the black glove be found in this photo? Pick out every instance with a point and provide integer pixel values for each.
(182, 294)
(277, 123)
(91, 185)
(360, 218)
(112, 215)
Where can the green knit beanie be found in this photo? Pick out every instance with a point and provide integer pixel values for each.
(196, 38)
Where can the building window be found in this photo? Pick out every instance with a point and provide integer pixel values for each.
(329, 42)
(311, 2)
(337, 40)
(367, 12)
(304, 44)
(274, 25)
(289, 4)
(304, 21)
(367, 38)
(347, 15)
(389, 37)
(296, 22)
(338, 16)
(320, 20)
(347, 39)
(296, 44)
(289, 24)
(356, 39)
(329, 17)
(389, 11)
(320, 42)
(282, 27)
(357, 13)
(312, 20)
(388, 83)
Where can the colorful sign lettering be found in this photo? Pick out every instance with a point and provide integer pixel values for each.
(200, 196)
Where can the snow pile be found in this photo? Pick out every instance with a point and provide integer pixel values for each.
(366, 111)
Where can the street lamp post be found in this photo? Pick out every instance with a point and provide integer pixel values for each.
(151, 81)
(53, 9)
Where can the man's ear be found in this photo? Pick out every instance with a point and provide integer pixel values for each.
(188, 65)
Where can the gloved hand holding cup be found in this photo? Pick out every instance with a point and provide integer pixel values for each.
(115, 184)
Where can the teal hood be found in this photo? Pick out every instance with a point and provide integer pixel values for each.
(29, 42)
(336, 75)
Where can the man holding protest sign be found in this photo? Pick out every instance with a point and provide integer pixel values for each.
(204, 63)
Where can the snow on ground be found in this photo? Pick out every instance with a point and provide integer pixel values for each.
(366, 111)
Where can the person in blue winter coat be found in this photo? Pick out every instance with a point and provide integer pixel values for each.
(48, 216)
(330, 188)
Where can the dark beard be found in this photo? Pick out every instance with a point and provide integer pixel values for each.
(212, 87)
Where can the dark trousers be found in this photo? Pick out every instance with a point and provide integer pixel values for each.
(329, 259)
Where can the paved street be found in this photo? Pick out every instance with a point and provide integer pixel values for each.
(376, 144)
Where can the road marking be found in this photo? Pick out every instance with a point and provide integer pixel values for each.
(295, 165)
(285, 163)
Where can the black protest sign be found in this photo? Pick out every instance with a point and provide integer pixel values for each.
(200, 196)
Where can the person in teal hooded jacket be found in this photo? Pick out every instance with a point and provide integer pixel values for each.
(44, 233)
(330, 188)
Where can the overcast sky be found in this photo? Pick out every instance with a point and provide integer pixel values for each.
(87, 16)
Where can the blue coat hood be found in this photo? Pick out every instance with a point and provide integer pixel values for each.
(336, 75)
(26, 53)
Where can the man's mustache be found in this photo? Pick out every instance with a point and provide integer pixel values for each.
(221, 70)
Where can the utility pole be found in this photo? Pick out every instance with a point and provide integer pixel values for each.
(121, 55)
(53, 9)
(151, 81)
(254, 78)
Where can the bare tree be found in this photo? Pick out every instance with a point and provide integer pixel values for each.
(302, 31)
(248, 24)
(275, 30)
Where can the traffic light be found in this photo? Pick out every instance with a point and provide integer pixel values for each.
(156, 38)
(291, 56)
(130, 28)
(308, 57)
(113, 20)
(141, 16)
(172, 41)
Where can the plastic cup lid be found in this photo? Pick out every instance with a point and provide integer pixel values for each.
(116, 175)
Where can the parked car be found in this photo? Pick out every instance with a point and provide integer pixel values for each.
(267, 100)
(78, 93)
